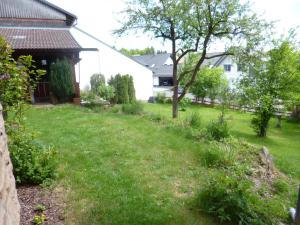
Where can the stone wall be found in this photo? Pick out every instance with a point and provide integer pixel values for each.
(9, 204)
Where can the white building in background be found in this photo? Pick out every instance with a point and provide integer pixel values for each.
(152, 74)
(110, 62)
(162, 67)
(231, 68)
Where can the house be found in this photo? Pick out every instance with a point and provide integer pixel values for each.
(227, 62)
(109, 62)
(161, 66)
(42, 30)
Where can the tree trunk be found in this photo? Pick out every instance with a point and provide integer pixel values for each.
(278, 125)
(175, 80)
(264, 124)
(175, 102)
(297, 216)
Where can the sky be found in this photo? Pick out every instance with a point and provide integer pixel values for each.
(100, 18)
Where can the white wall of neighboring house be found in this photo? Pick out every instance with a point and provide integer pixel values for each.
(232, 75)
(110, 62)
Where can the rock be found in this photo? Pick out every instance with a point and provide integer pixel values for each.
(9, 204)
(267, 159)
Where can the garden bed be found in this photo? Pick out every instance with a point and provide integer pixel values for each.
(32, 196)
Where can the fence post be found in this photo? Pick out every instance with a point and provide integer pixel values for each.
(297, 216)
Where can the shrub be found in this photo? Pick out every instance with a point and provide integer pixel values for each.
(96, 81)
(280, 186)
(131, 89)
(18, 80)
(124, 89)
(194, 120)
(61, 83)
(219, 129)
(161, 98)
(106, 92)
(33, 163)
(218, 155)
(183, 104)
(134, 108)
(169, 101)
(155, 117)
(231, 198)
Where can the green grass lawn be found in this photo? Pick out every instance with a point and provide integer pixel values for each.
(126, 170)
(284, 143)
(120, 169)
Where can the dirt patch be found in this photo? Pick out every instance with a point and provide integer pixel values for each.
(32, 196)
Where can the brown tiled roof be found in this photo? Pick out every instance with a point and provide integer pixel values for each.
(39, 38)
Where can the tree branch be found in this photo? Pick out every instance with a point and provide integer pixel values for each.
(219, 55)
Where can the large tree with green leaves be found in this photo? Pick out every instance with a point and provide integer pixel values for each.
(209, 82)
(273, 78)
(193, 26)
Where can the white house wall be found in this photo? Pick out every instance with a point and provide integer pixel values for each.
(109, 62)
(234, 74)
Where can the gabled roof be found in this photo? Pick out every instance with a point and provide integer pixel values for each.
(39, 38)
(156, 63)
(215, 62)
(34, 9)
(150, 60)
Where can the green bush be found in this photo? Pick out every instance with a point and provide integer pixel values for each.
(280, 186)
(194, 120)
(231, 198)
(184, 103)
(131, 89)
(33, 163)
(106, 92)
(61, 83)
(169, 101)
(218, 130)
(218, 155)
(155, 117)
(124, 89)
(96, 81)
(134, 108)
(161, 98)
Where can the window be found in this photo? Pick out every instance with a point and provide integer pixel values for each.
(227, 67)
(165, 81)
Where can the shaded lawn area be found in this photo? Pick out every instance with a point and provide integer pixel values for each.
(121, 170)
(284, 143)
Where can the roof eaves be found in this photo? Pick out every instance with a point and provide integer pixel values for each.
(220, 60)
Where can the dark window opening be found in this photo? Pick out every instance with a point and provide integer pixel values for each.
(227, 68)
(165, 81)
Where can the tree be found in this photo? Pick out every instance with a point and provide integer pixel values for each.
(124, 89)
(209, 83)
(194, 26)
(96, 81)
(272, 78)
(131, 52)
(61, 83)
(131, 90)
